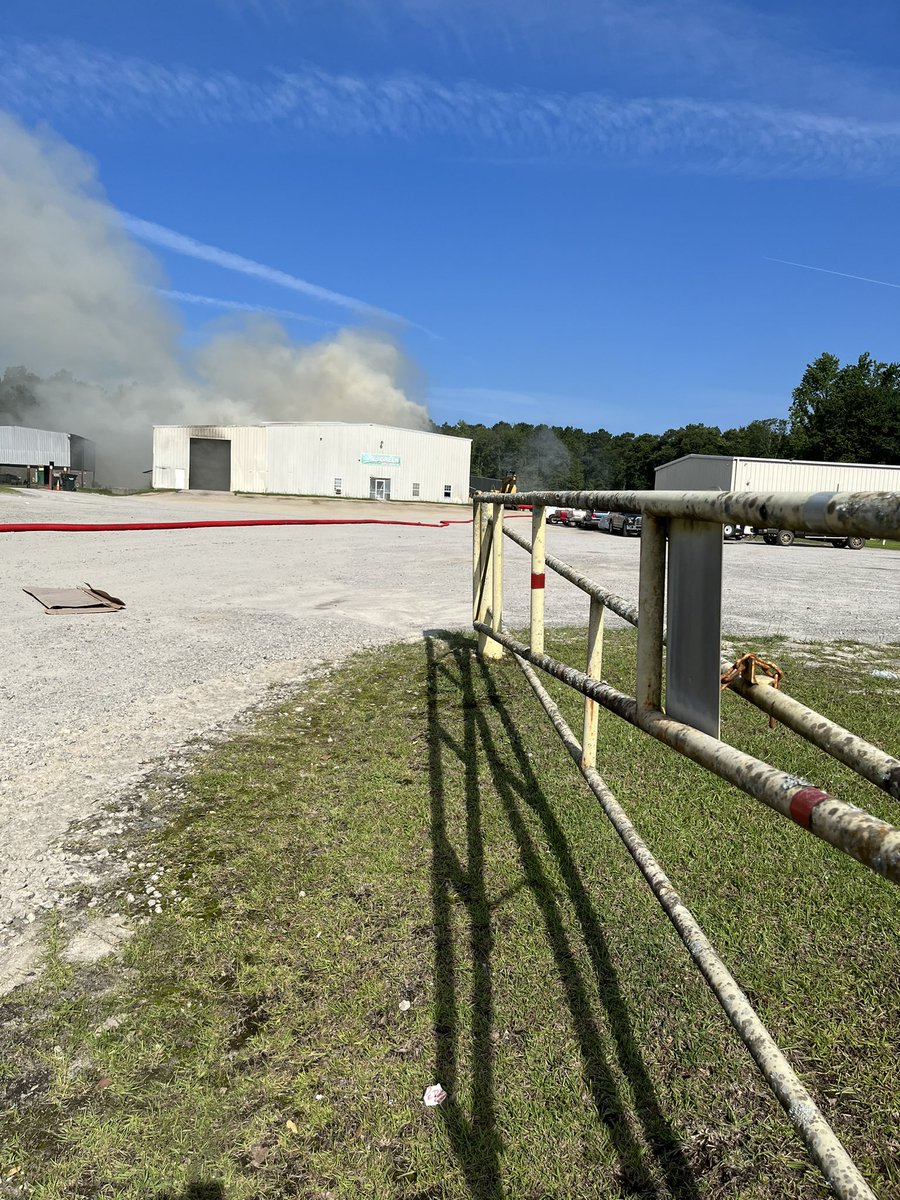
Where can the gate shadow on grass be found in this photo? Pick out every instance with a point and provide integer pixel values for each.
(474, 1137)
(197, 1190)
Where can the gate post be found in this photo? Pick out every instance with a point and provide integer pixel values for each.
(593, 669)
(538, 577)
(491, 648)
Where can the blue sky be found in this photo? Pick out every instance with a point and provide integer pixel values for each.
(565, 210)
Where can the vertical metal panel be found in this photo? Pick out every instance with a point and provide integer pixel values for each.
(699, 472)
(693, 630)
(651, 605)
(249, 457)
(171, 455)
(24, 447)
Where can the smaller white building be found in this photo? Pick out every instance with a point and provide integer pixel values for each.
(313, 458)
(723, 473)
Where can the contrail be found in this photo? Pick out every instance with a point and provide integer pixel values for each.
(159, 235)
(239, 306)
(826, 271)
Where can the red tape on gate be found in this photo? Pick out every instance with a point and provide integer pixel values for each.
(803, 803)
(537, 581)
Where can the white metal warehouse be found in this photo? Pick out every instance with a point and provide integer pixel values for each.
(723, 473)
(313, 458)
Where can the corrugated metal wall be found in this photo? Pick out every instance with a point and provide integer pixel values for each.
(172, 454)
(306, 459)
(760, 475)
(707, 472)
(21, 447)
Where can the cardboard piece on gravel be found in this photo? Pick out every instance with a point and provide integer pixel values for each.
(84, 599)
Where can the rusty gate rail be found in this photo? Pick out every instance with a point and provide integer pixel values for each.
(686, 516)
(855, 752)
(825, 1148)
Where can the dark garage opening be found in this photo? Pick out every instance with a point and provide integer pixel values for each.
(210, 464)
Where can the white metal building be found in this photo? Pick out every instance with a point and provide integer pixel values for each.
(313, 458)
(723, 473)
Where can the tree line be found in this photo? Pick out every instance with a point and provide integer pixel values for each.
(839, 413)
(848, 413)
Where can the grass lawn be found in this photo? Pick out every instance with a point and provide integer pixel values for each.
(397, 879)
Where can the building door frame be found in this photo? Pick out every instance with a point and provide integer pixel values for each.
(379, 489)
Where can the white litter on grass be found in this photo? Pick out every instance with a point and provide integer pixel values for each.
(404, 1005)
(434, 1095)
(886, 674)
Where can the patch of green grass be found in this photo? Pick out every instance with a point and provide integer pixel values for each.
(410, 830)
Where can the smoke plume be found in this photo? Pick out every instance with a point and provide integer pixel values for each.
(103, 350)
(543, 462)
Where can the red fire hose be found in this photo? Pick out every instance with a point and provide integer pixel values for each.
(57, 527)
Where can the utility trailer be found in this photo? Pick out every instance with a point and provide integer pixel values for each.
(725, 473)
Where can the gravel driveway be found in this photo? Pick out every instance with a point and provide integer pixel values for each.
(216, 617)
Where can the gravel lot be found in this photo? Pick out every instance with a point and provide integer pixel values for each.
(215, 618)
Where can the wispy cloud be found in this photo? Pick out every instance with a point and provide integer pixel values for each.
(827, 271)
(239, 306)
(180, 243)
(684, 133)
(719, 48)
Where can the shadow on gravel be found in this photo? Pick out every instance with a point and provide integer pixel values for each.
(458, 878)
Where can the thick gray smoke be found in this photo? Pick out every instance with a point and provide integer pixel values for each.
(544, 462)
(78, 310)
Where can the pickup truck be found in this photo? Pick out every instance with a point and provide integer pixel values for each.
(595, 520)
(625, 523)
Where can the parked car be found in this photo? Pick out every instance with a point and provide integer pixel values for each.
(595, 520)
(784, 537)
(625, 523)
(8, 477)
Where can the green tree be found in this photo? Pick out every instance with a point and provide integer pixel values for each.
(848, 413)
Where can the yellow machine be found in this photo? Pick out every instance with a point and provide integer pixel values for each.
(509, 485)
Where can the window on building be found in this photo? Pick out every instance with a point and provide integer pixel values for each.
(338, 485)
(447, 491)
(415, 489)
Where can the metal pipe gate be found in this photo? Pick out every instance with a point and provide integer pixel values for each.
(682, 531)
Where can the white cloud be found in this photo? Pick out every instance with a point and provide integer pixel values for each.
(715, 47)
(710, 136)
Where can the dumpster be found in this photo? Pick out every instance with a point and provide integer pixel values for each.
(67, 481)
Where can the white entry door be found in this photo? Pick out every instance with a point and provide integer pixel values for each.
(379, 489)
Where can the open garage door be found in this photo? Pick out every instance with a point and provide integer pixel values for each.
(210, 464)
